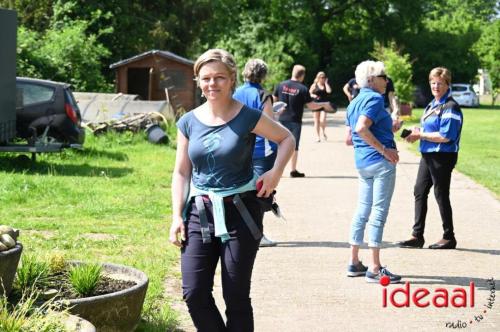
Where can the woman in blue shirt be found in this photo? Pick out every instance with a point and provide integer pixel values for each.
(253, 95)
(376, 158)
(215, 210)
(439, 136)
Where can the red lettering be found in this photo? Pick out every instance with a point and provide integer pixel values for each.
(443, 296)
(472, 293)
(384, 297)
(416, 297)
(459, 293)
(406, 292)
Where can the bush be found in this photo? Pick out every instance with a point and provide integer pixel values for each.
(398, 67)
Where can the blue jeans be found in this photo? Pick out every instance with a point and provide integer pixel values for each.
(262, 165)
(376, 185)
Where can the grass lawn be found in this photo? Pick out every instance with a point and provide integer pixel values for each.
(479, 155)
(108, 203)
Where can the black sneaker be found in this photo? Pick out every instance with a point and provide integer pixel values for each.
(356, 270)
(296, 174)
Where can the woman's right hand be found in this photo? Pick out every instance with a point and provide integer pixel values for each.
(177, 232)
(391, 155)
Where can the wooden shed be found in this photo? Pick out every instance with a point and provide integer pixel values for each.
(154, 73)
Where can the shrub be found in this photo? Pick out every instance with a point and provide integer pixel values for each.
(84, 278)
(398, 67)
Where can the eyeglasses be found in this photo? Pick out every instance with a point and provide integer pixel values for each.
(383, 76)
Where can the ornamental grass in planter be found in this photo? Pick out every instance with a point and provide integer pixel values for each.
(28, 316)
(107, 295)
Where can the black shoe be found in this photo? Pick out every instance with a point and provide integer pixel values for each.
(451, 244)
(412, 243)
(296, 174)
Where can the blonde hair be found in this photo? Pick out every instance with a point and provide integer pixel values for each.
(298, 71)
(441, 72)
(318, 75)
(367, 69)
(216, 55)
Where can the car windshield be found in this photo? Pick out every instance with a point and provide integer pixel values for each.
(459, 88)
(34, 93)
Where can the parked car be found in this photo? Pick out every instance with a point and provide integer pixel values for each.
(421, 96)
(43, 104)
(464, 94)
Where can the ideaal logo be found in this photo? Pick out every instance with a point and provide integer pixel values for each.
(422, 297)
(459, 297)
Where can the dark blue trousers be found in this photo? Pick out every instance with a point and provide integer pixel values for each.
(237, 256)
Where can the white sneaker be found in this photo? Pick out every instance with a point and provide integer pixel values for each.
(265, 242)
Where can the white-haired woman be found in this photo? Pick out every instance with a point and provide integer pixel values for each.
(369, 128)
(216, 214)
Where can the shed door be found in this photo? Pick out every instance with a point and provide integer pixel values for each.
(138, 82)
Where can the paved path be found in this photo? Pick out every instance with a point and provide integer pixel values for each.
(301, 285)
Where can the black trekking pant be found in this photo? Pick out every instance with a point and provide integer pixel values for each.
(199, 261)
(434, 170)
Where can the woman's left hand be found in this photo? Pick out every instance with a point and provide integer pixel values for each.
(269, 182)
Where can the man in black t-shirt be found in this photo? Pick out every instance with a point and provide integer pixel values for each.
(296, 96)
(351, 89)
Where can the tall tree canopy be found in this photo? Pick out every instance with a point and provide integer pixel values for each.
(329, 35)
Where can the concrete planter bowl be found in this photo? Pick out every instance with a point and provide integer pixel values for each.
(77, 324)
(114, 312)
(9, 260)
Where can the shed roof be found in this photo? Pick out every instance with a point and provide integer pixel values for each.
(165, 54)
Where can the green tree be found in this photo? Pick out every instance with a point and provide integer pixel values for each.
(488, 50)
(398, 67)
(63, 52)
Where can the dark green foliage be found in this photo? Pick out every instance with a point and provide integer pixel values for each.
(331, 35)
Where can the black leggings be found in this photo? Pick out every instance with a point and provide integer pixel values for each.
(434, 170)
(198, 263)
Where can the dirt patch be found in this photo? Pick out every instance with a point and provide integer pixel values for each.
(99, 236)
(43, 234)
(173, 290)
(60, 282)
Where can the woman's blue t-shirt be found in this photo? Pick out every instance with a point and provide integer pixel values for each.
(221, 155)
(370, 104)
(443, 116)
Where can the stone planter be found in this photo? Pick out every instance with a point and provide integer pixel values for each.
(114, 312)
(78, 324)
(405, 109)
(9, 260)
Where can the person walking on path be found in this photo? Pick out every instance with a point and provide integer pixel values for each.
(351, 89)
(296, 95)
(370, 130)
(216, 213)
(319, 91)
(439, 135)
(391, 104)
(253, 95)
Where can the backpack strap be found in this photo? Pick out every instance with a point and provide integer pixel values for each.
(264, 96)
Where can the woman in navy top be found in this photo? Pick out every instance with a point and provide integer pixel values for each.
(439, 136)
(213, 181)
